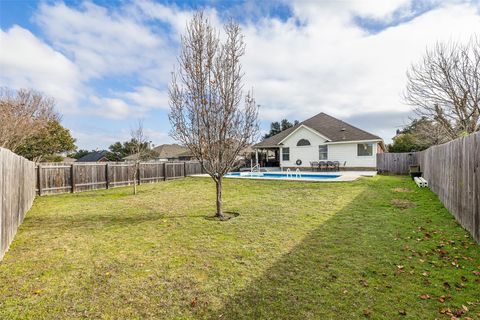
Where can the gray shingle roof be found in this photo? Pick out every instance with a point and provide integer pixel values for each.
(93, 156)
(334, 129)
(171, 151)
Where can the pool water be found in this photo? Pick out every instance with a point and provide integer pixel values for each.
(282, 175)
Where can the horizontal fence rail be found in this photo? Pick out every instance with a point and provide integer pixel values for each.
(17, 191)
(453, 172)
(55, 178)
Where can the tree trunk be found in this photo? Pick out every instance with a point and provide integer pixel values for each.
(135, 179)
(219, 213)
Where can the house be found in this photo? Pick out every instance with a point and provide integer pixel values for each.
(95, 156)
(320, 138)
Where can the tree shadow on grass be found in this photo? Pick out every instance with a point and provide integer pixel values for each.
(345, 269)
(102, 220)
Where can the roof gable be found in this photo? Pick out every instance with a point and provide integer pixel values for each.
(306, 128)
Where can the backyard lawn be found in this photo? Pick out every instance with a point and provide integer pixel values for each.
(377, 248)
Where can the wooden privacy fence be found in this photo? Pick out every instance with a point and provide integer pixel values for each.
(453, 173)
(17, 191)
(395, 163)
(54, 178)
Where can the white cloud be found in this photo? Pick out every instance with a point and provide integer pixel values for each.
(102, 42)
(147, 97)
(26, 61)
(112, 108)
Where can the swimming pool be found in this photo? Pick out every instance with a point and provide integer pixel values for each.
(307, 176)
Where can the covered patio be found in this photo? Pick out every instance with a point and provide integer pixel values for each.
(267, 157)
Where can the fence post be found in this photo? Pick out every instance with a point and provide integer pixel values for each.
(39, 178)
(184, 168)
(72, 177)
(164, 171)
(107, 176)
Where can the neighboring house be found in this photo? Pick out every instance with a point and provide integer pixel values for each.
(167, 152)
(95, 156)
(320, 138)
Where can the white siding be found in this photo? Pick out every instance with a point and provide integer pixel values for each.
(348, 152)
(342, 152)
(304, 153)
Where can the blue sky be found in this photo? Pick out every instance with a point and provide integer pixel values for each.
(108, 63)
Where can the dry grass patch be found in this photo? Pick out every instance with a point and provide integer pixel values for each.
(403, 203)
(404, 190)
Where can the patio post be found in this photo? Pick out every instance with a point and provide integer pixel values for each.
(256, 157)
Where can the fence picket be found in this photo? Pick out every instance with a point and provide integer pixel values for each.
(17, 191)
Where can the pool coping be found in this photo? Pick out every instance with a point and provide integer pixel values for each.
(345, 176)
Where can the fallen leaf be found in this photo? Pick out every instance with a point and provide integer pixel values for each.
(367, 313)
(459, 312)
(424, 296)
(402, 312)
(193, 303)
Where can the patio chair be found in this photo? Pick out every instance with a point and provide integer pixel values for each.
(314, 165)
(321, 165)
(330, 165)
(336, 165)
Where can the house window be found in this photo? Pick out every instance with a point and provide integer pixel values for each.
(364, 149)
(323, 152)
(303, 142)
(286, 154)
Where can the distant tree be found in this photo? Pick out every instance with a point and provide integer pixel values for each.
(277, 127)
(287, 124)
(405, 142)
(445, 87)
(52, 158)
(119, 150)
(205, 99)
(419, 135)
(23, 114)
(274, 129)
(49, 141)
(140, 150)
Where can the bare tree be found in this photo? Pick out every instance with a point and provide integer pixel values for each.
(140, 146)
(445, 86)
(206, 92)
(23, 113)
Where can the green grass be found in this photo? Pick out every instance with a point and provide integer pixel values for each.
(298, 250)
